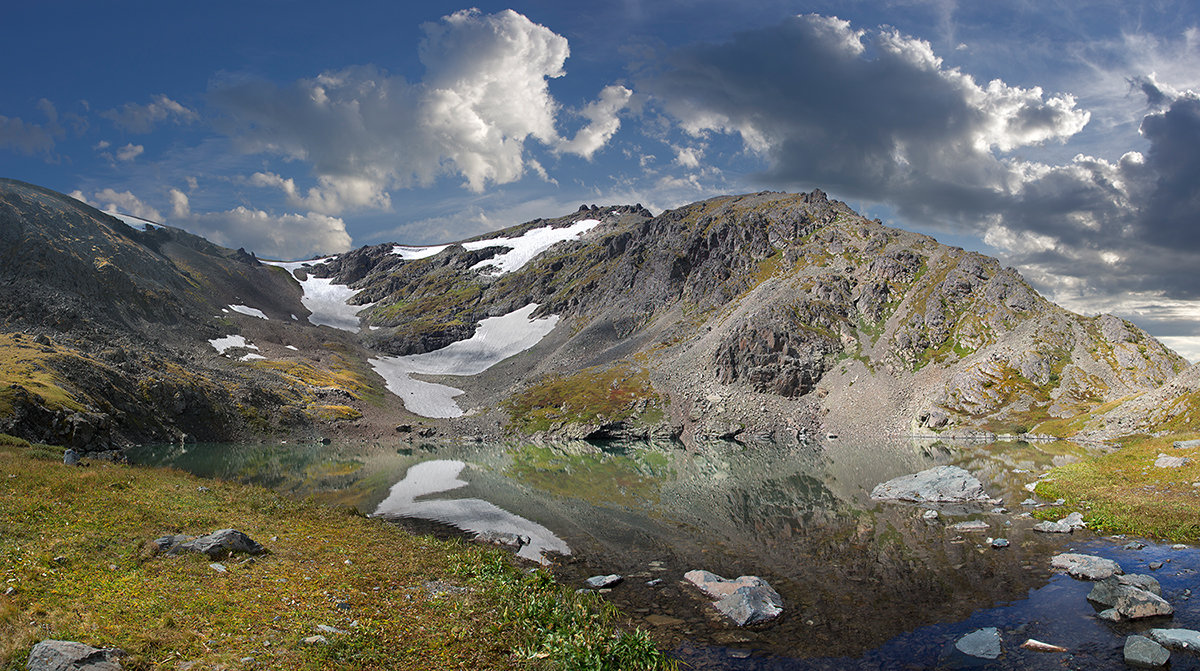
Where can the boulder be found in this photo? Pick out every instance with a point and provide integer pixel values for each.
(983, 643)
(1141, 651)
(969, 525)
(1133, 603)
(1186, 444)
(745, 600)
(1107, 590)
(602, 581)
(70, 457)
(1053, 527)
(941, 484)
(217, 545)
(1085, 567)
(1167, 461)
(1177, 639)
(72, 656)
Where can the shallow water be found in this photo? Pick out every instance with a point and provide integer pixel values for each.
(865, 584)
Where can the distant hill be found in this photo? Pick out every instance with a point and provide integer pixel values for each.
(754, 317)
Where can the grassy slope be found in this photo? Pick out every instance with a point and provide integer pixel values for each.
(1123, 492)
(72, 545)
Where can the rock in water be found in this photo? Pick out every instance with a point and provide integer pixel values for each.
(746, 600)
(1141, 651)
(1040, 646)
(1053, 527)
(602, 581)
(983, 643)
(1134, 603)
(1085, 567)
(942, 484)
(1179, 639)
(1107, 590)
(72, 656)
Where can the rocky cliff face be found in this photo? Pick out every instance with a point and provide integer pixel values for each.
(749, 317)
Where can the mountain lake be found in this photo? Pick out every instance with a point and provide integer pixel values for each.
(865, 584)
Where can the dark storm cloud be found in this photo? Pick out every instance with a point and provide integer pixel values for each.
(875, 115)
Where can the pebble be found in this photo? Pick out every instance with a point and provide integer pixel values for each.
(654, 583)
(219, 568)
(1179, 546)
(1134, 545)
(329, 630)
(1000, 542)
(316, 639)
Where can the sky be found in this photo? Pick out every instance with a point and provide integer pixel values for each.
(1060, 137)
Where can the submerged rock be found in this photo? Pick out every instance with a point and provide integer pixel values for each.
(745, 600)
(72, 656)
(1141, 651)
(1041, 646)
(969, 525)
(1066, 525)
(1085, 567)
(941, 484)
(983, 643)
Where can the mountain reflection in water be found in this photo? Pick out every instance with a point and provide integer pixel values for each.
(865, 584)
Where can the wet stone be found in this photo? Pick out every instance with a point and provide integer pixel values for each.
(1085, 567)
(1145, 653)
(604, 581)
(982, 643)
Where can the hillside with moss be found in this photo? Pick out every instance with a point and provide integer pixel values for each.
(765, 316)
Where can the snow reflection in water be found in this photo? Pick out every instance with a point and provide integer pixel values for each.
(472, 515)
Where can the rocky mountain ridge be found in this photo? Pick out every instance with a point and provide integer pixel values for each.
(762, 316)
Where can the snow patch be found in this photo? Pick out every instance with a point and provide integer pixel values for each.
(292, 347)
(229, 342)
(328, 302)
(472, 515)
(251, 357)
(527, 246)
(247, 310)
(496, 339)
(135, 222)
(414, 253)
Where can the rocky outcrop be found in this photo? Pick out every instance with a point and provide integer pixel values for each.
(217, 545)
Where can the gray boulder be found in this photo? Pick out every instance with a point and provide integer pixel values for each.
(1107, 590)
(941, 484)
(1133, 603)
(983, 643)
(218, 545)
(72, 656)
(70, 457)
(1085, 567)
(746, 600)
(1177, 639)
(602, 581)
(1186, 444)
(1141, 651)
(1053, 527)
(1167, 461)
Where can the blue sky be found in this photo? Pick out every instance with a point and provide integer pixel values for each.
(1063, 138)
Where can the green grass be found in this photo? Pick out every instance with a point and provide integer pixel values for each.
(591, 396)
(73, 548)
(1123, 492)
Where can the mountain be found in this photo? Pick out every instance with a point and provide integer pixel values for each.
(762, 316)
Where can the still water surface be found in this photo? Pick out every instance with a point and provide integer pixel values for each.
(866, 585)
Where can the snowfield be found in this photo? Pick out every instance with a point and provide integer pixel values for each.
(414, 253)
(229, 342)
(328, 302)
(247, 310)
(134, 222)
(526, 247)
(472, 515)
(496, 339)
